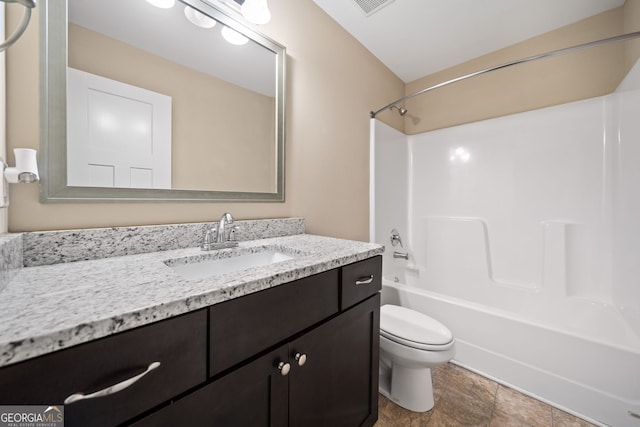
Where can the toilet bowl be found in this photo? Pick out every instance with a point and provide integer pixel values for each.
(411, 343)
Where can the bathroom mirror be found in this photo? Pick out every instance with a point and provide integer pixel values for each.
(141, 103)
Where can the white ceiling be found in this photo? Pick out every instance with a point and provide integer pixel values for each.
(415, 38)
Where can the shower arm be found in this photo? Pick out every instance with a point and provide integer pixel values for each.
(553, 53)
(28, 5)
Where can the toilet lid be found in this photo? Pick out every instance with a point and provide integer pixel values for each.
(412, 328)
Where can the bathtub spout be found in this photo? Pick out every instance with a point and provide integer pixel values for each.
(403, 255)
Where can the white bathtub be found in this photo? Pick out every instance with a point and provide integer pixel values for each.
(583, 358)
(521, 234)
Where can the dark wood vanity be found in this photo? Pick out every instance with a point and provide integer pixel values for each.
(304, 354)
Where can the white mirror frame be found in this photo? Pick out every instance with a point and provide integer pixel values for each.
(53, 120)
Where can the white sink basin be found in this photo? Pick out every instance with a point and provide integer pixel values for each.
(201, 268)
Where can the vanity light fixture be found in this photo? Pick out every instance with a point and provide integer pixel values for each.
(198, 18)
(163, 4)
(233, 37)
(25, 171)
(256, 11)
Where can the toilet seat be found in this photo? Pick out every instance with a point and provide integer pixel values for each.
(413, 329)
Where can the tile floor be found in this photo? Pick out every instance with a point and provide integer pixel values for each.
(464, 398)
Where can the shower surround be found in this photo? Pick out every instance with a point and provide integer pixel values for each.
(523, 239)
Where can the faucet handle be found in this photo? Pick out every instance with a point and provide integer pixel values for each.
(209, 240)
(395, 238)
(232, 233)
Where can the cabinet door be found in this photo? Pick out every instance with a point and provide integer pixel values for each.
(253, 395)
(337, 386)
(179, 344)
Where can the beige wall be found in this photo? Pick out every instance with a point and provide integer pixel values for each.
(332, 84)
(631, 24)
(213, 145)
(524, 87)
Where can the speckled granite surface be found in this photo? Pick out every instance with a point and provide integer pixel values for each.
(53, 247)
(50, 307)
(10, 257)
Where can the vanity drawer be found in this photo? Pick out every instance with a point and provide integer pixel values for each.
(360, 280)
(245, 326)
(179, 344)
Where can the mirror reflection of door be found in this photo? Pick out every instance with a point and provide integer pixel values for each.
(223, 97)
(119, 135)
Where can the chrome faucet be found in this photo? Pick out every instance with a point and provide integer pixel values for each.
(221, 231)
(223, 236)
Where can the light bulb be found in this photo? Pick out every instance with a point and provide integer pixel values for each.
(198, 18)
(256, 11)
(233, 36)
(163, 4)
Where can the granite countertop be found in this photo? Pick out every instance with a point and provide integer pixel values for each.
(51, 307)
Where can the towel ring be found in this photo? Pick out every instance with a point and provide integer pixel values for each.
(28, 5)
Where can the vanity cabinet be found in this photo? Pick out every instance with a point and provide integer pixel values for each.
(337, 385)
(300, 354)
(178, 344)
(243, 327)
(332, 382)
(252, 395)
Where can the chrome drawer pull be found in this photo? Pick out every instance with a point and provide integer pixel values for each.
(111, 389)
(365, 280)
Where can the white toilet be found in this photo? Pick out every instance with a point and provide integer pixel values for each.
(411, 343)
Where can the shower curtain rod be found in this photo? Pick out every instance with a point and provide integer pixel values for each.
(511, 63)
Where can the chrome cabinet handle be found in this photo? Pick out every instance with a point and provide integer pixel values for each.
(301, 358)
(365, 280)
(111, 389)
(284, 368)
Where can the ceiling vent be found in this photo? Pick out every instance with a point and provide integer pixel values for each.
(369, 7)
